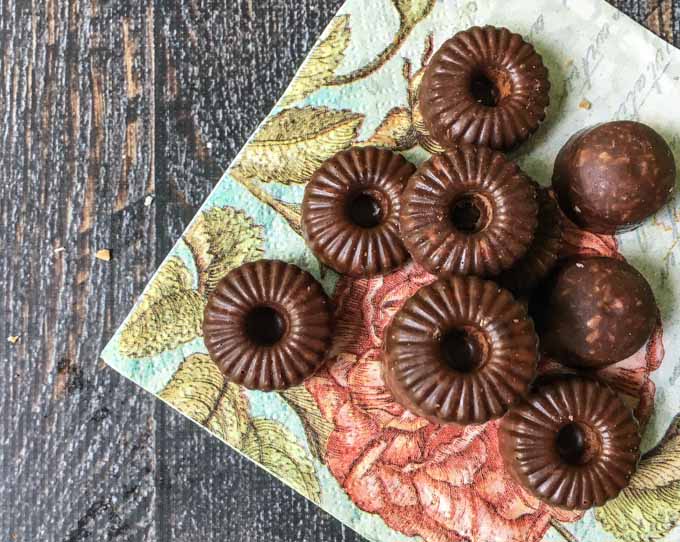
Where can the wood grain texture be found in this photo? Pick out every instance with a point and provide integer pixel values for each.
(101, 104)
(77, 442)
(221, 67)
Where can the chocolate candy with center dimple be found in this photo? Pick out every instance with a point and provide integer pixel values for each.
(599, 311)
(469, 210)
(485, 86)
(544, 251)
(350, 211)
(461, 350)
(573, 443)
(268, 325)
(611, 177)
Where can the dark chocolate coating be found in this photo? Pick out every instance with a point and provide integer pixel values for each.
(350, 211)
(461, 350)
(485, 86)
(544, 251)
(612, 176)
(599, 311)
(468, 211)
(573, 443)
(268, 325)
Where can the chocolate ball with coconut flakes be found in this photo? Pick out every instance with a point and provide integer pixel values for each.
(611, 177)
(599, 311)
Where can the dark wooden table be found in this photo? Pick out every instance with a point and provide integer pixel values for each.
(116, 120)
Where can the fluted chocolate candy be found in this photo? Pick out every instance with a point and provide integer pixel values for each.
(485, 86)
(267, 325)
(350, 211)
(599, 311)
(468, 211)
(461, 350)
(573, 443)
(544, 251)
(612, 176)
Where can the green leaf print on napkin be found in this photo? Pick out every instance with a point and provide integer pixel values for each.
(395, 132)
(649, 508)
(320, 67)
(317, 427)
(289, 148)
(411, 12)
(171, 311)
(220, 240)
(170, 314)
(199, 390)
(404, 127)
(274, 447)
(294, 143)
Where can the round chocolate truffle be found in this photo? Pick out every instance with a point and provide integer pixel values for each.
(599, 311)
(468, 211)
(461, 350)
(485, 86)
(350, 211)
(611, 177)
(543, 252)
(267, 325)
(572, 443)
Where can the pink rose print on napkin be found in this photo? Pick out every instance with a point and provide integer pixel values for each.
(441, 482)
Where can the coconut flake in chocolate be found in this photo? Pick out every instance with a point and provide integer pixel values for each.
(612, 176)
(599, 311)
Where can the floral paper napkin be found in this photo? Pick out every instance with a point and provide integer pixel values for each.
(340, 440)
